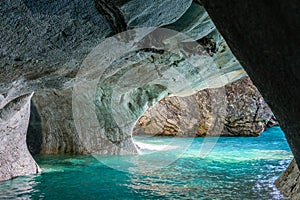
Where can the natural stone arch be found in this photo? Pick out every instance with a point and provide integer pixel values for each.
(111, 93)
(59, 36)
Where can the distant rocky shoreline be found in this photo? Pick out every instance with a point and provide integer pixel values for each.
(237, 109)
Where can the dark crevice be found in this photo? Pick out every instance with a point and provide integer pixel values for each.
(208, 44)
(34, 137)
(272, 122)
(198, 2)
(153, 50)
(113, 15)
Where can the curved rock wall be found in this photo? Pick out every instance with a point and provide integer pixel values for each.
(58, 131)
(244, 113)
(215, 65)
(44, 44)
(264, 37)
(140, 83)
(15, 159)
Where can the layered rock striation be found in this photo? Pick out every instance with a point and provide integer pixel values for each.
(243, 112)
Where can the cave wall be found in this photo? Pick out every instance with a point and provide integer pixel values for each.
(15, 159)
(264, 36)
(44, 44)
(57, 129)
(289, 181)
(123, 91)
(216, 68)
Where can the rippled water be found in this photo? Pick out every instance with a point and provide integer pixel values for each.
(236, 168)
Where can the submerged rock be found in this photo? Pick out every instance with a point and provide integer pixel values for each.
(15, 159)
(237, 109)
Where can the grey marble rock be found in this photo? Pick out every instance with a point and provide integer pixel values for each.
(15, 159)
(45, 44)
(98, 117)
(54, 123)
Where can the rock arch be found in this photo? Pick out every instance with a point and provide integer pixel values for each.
(130, 71)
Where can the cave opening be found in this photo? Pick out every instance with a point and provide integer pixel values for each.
(241, 160)
(200, 149)
(197, 109)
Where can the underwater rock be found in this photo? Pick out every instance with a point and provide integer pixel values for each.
(15, 159)
(244, 113)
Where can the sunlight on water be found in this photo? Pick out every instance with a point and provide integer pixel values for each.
(144, 147)
(236, 168)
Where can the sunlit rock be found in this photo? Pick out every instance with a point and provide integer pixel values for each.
(244, 113)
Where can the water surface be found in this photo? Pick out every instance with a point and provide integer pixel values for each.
(236, 168)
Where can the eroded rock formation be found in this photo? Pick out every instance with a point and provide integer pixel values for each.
(127, 88)
(214, 68)
(44, 44)
(57, 128)
(244, 113)
(15, 159)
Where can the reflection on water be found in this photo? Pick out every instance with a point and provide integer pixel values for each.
(18, 186)
(236, 168)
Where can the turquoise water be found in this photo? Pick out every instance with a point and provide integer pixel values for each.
(236, 168)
